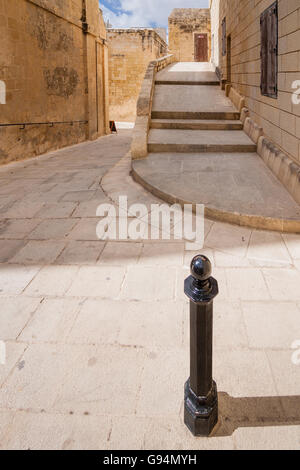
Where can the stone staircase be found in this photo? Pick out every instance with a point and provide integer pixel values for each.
(190, 114)
(198, 153)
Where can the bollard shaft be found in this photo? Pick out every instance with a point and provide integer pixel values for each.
(201, 338)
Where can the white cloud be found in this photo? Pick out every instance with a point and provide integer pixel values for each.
(144, 13)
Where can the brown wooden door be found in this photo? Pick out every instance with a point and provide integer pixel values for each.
(269, 51)
(201, 48)
(228, 59)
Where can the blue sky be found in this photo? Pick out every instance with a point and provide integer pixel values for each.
(144, 13)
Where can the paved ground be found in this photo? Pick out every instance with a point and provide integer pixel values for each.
(97, 332)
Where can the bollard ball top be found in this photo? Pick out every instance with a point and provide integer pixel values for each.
(201, 268)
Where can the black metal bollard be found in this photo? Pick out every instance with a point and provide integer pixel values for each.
(200, 395)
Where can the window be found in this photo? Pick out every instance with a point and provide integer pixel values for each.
(224, 37)
(269, 51)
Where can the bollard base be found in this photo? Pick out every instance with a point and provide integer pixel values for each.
(200, 413)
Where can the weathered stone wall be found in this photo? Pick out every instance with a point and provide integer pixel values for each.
(54, 72)
(130, 51)
(163, 33)
(139, 145)
(184, 23)
(279, 118)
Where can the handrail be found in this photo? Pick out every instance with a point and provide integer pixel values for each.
(51, 123)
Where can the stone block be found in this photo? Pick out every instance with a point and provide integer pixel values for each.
(294, 177)
(273, 156)
(227, 89)
(252, 130)
(260, 146)
(284, 172)
(277, 163)
(244, 114)
(140, 138)
(237, 99)
(283, 167)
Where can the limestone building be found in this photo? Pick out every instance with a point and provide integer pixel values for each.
(190, 34)
(53, 61)
(130, 51)
(256, 48)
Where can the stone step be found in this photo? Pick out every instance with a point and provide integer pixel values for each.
(192, 102)
(191, 115)
(194, 124)
(187, 82)
(192, 141)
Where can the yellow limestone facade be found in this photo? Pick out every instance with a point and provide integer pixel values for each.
(184, 24)
(54, 64)
(130, 51)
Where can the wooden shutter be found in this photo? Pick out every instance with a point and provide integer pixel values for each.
(269, 51)
(224, 37)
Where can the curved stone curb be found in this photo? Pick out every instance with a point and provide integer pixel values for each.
(118, 182)
(246, 220)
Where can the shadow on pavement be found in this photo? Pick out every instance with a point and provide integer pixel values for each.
(256, 412)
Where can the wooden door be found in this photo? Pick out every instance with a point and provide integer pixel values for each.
(269, 51)
(228, 59)
(201, 48)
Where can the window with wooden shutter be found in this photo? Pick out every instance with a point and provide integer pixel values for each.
(269, 51)
(224, 37)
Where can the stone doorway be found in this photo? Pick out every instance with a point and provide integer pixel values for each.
(201, 47)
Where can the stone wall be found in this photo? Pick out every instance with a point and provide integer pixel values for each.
(130, 51)
(53, 60)
(163, 33)
(139, 144)
(184, 23)
(279, 117)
